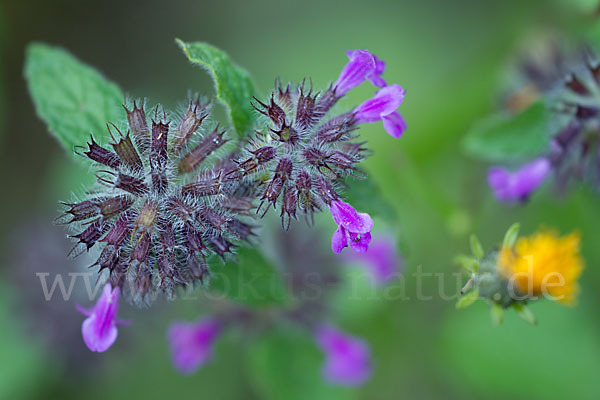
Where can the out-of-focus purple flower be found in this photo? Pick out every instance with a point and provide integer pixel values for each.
(382, 259)
(353, 227)
(99, 330)
(362, 66)
(383, 107)
(375, 75)
(348, 359)
(192, 343)
(515, 186)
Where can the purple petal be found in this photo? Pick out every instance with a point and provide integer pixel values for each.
(375, 77)
(499, 181)
(339, 240)
(192, 343)
(529, 177)
(106, 309)
(348, 359)
(345, 215)
(394, 124)
(377, 81)
(517, 186)
(360, 242)
(361, 65)
(83, 310)
(96, 340)
(99, 330)
(385, 102)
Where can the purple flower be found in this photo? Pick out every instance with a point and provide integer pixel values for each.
(348, 359)
(375, 75)
(99, 330)
(353, 227)
(192, 343)
(383, 107)
(381, 259)
(517, 186)
(362, 66)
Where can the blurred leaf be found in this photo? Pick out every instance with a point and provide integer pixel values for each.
(525, 313)
(233, 84)
(477, 248)
(510, 238)
(504, 138)
(467, 262)
(518, 362)
(497, 313)
(366, 196)
(23, 357)
(467, 299)
(251, 280)
(72, 98)
(286, 364)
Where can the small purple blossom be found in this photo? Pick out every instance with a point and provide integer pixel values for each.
(383, 107)
(515, 186)
(375, 75)
(381, 260)
(353, 227)
(348, 359)
(192, 343)
(362, 66)
(99, 330)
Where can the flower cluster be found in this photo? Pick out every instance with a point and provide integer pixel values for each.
(301, 156)
(157, 216)
(572, 89)
(523, 270)
(166, 203)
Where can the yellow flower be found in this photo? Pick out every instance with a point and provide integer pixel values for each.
(544, 264)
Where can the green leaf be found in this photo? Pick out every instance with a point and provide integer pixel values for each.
(497, 313)
(477, 248)
(510, 238)
(525, 313)
(286, 364)
(466, 344)
(72, 98)
(233, 84)
(505, 138)
(467, 299)
(251, 280)
(467, 262)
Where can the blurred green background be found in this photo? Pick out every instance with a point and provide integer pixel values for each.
(448, 55)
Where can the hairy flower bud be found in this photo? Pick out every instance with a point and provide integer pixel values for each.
(157, 226)
(191, 121)
(127, 152)
(101, 155)
(207, 146)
